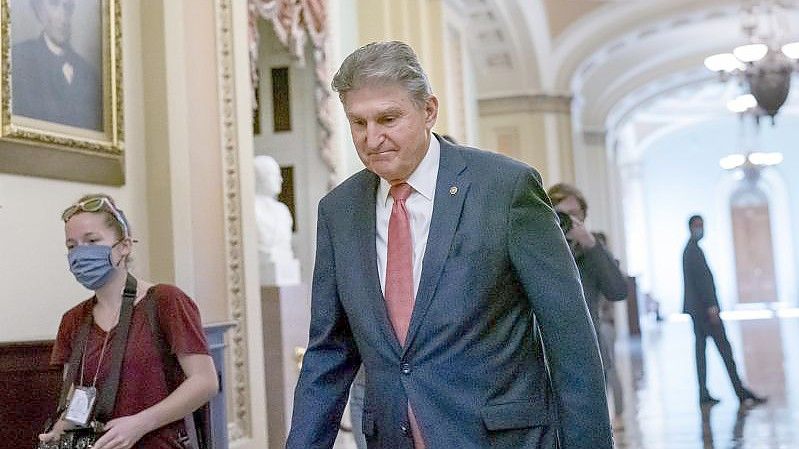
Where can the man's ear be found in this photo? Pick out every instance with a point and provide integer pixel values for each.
(431, 111)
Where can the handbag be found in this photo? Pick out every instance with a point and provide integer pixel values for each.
(85, 437)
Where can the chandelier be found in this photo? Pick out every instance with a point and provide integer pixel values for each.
(748, 167)
(764, 66)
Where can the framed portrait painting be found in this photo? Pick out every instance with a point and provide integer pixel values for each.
(62, 80)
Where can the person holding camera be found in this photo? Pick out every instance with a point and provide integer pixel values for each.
(135, 357)
(599, 273)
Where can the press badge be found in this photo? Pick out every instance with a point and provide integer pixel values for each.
(81, 405)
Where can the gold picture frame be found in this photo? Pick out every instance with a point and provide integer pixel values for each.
(67, 123)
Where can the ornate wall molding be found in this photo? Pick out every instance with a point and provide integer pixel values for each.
(240, 425)
(559, 104)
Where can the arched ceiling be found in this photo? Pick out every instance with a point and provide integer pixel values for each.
(654, 117)
(502, 47)
(609, 55)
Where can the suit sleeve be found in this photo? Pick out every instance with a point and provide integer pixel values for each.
(331, 359)
(544, 265)
(601, 266)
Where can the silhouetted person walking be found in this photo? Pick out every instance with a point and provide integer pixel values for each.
(702, 304)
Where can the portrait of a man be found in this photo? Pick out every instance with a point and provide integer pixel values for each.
(55, 58)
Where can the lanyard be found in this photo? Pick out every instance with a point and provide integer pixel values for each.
(99, 362)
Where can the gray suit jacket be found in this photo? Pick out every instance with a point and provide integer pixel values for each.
(473, 367)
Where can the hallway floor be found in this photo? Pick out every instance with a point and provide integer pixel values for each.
(659, 382)
(660, 393)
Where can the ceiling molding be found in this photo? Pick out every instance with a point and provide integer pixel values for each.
(539, 103)
(595, 138)
(667, 52)
(647, 34)
(501, 46)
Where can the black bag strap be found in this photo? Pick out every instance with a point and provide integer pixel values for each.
(107, 397)
(196, 430)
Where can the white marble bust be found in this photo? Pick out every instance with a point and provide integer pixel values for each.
(278, 264)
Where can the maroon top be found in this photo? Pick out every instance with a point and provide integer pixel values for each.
(142, 381)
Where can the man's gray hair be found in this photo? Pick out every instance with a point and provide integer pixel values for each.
(381, 63)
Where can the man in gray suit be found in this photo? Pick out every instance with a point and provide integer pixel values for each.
(430, 267)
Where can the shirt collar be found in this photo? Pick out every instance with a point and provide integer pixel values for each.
(54, 48)
(423, 178)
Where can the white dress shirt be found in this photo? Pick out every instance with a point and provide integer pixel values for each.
(67, 69)
(420, 211)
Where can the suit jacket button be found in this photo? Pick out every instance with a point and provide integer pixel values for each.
(406, 368)
(406, 430)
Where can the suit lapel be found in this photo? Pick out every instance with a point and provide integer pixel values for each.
(452, 186)
(364, 222)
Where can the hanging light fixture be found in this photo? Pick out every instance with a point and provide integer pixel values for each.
(742, 103)
(763, 67)
(756, 158)
(749, 167)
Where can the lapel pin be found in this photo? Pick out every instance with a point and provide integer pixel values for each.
(453, 190)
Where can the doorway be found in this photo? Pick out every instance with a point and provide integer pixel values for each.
(753, 246)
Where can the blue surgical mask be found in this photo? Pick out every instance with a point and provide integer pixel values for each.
(91, 265)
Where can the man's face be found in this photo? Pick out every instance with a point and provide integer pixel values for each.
(390, 133)
(571, 206)
(56, 18)
(698, 228)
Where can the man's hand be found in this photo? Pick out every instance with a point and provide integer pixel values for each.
(580, 235)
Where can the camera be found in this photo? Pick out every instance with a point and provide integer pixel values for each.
(73, 439)
(565, 222)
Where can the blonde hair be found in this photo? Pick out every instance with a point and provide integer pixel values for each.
(561, 191)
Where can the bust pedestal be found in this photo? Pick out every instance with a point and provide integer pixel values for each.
(279, 271)
(285, 314)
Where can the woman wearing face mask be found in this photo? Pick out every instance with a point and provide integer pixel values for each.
(148, 412)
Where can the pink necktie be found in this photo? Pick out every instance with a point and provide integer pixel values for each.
(399, 263)
(399, 279)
